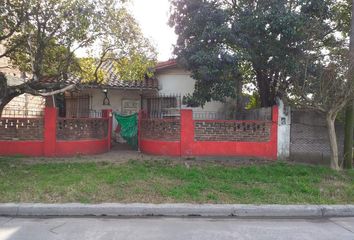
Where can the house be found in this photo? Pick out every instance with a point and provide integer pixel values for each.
(174, 79)
(161, 94)
(127, 97)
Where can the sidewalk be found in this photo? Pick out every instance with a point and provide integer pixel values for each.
(175, 210)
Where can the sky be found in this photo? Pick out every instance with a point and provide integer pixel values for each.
(152, 16)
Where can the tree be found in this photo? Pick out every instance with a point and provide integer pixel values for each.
(13, 13)
(217, 38)
(131, 54)
(53, 59)
(327, 86)
(43, 23)
(43, 37)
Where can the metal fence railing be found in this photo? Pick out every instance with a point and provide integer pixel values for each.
(261, 114)
(207, 115)
(162, 106)
(95, 114)
(20, 113)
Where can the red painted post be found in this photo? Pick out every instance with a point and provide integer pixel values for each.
(50, 129)
(187, 132)
(274, 132)
(140, 116)
(107, 113)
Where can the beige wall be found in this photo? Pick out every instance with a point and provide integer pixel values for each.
(178, 81)
(24, 105)
(5, 65)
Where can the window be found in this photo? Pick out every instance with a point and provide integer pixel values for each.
(77, 105)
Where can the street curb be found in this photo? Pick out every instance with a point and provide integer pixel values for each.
(174, 210)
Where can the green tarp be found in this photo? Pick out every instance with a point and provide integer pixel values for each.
(128, 128)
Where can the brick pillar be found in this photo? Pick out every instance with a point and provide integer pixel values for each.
(187, 132)
(50, 128)
(107, 113)
(140, 116)
(274, 132)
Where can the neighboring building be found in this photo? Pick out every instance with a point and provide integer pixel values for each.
(173, 79)
(25, 104)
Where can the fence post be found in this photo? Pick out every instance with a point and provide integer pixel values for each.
(274, 132)
(140, 116)
(187, 132)
(50, 129)
(284, 124)
(107, 113)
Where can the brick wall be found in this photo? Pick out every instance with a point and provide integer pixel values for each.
(18, 129)
(81, 129)
(239, 131)
(161, 129)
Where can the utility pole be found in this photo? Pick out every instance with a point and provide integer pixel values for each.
(349, 113)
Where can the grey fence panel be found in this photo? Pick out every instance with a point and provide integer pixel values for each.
(309, 140)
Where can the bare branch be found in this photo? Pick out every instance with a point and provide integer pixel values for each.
(38, 93)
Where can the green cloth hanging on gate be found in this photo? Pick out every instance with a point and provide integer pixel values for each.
(129, 128)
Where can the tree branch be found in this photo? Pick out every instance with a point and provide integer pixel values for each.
(38, 93)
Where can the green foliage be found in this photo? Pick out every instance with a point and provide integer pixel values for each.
(216, 38)
(124, 45)
(51, 31)
(134, 67)
(88, 67)
(54, 58)
(255, 102)
(12, 14)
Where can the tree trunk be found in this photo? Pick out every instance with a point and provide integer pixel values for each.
(264, 90)
(1, 109)
(5, 100)
(348, 137)
(238, 97)
(6, 93)
(333, 141)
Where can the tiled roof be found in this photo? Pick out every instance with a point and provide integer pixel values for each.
(114, 81)
(166, 64)
(111, 81)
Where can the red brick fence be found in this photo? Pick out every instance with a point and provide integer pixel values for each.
(188, 137)
(182, 136)
(52, 136)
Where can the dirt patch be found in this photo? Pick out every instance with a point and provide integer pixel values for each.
(124, 156)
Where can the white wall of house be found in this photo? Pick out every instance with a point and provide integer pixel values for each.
(116, 97)
(176, 80)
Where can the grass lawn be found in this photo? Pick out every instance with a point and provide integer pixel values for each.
(171, 182)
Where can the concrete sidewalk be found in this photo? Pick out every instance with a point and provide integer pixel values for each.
(175, 210)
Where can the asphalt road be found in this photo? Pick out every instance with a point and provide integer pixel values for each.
(175, 228)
